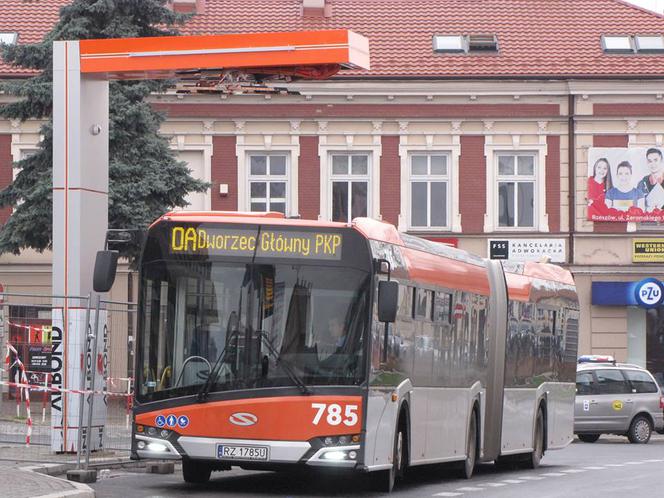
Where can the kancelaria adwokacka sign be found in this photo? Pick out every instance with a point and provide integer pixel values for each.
(264, 243)
(626, 184)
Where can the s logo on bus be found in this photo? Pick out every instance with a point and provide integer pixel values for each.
(649, 292)
(243, 419)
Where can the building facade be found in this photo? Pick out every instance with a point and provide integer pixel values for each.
(478, 125)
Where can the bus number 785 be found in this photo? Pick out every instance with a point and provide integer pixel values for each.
(334, 416)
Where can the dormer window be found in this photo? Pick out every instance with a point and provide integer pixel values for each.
(628, 44)
(8, 38)
(464, 44)
(449, 43)
(652, 44)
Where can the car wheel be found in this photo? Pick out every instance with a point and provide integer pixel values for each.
(195, 472)
(471, 441)
(588, 438)
(534, 458)
(640, 430)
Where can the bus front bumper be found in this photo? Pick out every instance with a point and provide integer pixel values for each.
(278, 452)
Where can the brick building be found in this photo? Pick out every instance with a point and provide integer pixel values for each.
(474, 126)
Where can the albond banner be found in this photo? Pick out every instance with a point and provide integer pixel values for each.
(625, 184)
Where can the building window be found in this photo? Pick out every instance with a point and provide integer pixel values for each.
(350, 186)
(268, 182)
(516, 190)
(429, 194)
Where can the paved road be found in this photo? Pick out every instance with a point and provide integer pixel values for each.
(608, 468)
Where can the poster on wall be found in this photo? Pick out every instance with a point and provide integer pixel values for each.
(626, 184)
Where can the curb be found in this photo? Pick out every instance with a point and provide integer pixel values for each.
(79, 491)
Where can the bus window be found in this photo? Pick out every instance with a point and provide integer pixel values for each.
(405, 296)
(423, 304)
(443, 307)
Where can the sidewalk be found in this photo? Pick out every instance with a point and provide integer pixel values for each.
(20, 481)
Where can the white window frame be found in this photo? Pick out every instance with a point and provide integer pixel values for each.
(540, 216)
(326, 152)
(349, 178)
(453, 152)
(178, 145)
(292, 152)
(268, 178)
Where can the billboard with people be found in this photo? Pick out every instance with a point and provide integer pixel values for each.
(626, 184)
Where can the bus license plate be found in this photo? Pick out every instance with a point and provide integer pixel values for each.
(237, 452)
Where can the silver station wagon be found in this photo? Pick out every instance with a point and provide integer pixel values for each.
(616, 398)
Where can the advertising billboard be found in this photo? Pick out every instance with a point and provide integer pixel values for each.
(625, 184)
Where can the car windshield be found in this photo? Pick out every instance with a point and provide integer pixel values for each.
(262, 324)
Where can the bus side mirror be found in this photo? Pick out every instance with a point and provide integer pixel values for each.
(388, 300)
(106, 265)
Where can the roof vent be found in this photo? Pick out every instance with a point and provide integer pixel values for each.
(486, 43)
(187, 6)
(8, 38)
(316, 8)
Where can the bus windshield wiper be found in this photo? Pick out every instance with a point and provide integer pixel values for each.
(205, 388)
(287, 367)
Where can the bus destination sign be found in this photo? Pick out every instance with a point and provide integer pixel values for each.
(266, 243)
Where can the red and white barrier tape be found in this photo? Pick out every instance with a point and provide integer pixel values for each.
(25, 385)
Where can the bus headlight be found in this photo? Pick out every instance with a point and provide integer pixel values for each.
(334, 455)
(157, 447)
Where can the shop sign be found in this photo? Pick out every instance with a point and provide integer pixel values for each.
(39, 358)
(527, 249)
(646, 293)
(648, 251)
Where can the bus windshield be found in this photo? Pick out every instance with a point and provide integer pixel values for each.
(262, 325)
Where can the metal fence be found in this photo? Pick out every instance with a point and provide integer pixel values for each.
(34, 392)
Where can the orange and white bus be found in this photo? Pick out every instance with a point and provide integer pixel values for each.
(266, 343)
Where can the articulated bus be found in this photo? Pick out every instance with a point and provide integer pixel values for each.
(268, 343)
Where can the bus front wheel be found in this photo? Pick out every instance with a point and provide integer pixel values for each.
(384, 480)
(195, 472)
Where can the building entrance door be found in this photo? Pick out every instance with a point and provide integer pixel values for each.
(655, 343)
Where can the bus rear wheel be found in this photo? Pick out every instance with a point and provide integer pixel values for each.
(195, 472)
(533, 459)
(471, 458)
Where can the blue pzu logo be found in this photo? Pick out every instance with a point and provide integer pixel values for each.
(160, 421)
(649, 292)
(183, 421)
(171, 421)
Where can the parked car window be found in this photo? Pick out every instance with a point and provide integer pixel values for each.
(641, 381)
(611, 382)
(584, 383)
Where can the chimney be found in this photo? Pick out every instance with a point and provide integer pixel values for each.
(316, 8)
(187, 6)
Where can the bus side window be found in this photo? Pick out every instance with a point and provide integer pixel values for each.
(442, 311)
(422, 307)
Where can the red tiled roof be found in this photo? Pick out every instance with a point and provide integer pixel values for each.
(31, 19)
(537, 38)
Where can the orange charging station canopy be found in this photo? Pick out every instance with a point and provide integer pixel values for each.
(81, 72)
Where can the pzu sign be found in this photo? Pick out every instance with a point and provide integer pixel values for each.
(649, 292)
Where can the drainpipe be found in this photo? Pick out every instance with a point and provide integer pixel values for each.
(571, 162)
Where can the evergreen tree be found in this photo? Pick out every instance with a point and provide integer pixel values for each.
(145, 179)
